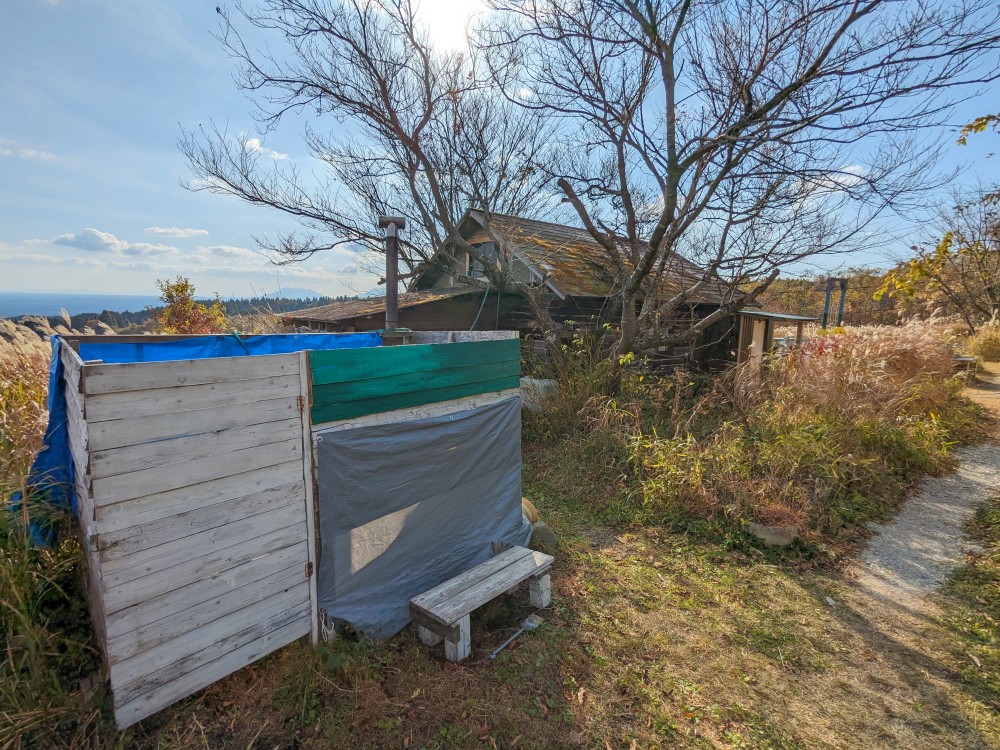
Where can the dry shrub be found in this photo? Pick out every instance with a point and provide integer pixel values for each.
(824, 437)
(259, 321)
(985, 343)
(47, 643)
(24, 372)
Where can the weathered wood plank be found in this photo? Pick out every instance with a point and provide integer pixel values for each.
(131, 458)
(309, 480)
(158, 479)
(134, 404)
(167, 661)
(430, 599)
(72, 364)
(118, 569)
(142, 536)
(154, 507)
(79, 441)
(144, 625)
(119, 433)
(339, 411)
(118, 596)
(203, 676)
(459, 337)
(74, 401)
(451, 603)
(118, 378)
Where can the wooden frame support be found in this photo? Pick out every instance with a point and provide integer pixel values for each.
(460, 647)
(540, 591)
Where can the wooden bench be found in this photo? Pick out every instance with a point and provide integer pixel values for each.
(443, 612)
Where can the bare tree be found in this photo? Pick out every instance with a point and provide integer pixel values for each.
(744, 134)
(401, 128)
(959, 274)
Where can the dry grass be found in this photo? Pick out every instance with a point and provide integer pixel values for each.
(985, 343)
(47, 645)
(824, 438)
(24, 371)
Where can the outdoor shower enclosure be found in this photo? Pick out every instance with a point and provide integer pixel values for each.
(235, 495)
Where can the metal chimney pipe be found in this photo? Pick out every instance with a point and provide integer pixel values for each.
(392, 226)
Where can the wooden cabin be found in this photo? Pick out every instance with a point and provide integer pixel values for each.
(566, 262)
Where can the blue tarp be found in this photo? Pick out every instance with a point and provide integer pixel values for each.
(51, 476)
(205, 347)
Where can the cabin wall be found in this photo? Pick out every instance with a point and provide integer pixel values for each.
(455, 313)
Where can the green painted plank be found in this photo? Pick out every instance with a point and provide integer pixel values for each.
(342, 411)
(346, 365)
(393, 384)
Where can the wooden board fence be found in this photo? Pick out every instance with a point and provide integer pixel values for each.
(196, 508)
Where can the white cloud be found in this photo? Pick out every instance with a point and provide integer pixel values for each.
(177, 231)
(17, 150)
(254, 145)
(94, 240)
(231, 251)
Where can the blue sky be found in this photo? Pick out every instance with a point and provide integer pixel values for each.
(92, 99)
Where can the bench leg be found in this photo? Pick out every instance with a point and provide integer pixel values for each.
(540, 591)
(427, 637)
(461, 648)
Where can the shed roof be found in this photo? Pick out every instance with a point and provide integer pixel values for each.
(573, 264)
(776, 316)
(359, 308)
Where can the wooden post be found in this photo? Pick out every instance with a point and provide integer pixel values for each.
(460, 648)
(798, 333)
(540, 591)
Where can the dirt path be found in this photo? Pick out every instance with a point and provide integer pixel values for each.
(912, 555)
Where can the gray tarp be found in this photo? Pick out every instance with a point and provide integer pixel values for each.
(405, 506)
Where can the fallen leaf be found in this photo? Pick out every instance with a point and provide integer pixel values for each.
(576, 737)
(415, 694)
(976, 660)
(579, 695)
(513, 742)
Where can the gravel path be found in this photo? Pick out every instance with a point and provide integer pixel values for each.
(912, 555)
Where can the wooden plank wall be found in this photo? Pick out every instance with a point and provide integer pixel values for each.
(348, 383)
(197, 492)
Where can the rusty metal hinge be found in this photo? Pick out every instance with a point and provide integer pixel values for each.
(302, 404)
(309, 569)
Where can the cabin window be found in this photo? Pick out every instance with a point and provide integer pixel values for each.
(489, 252)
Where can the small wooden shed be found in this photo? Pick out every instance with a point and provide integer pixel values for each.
(196, 487)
